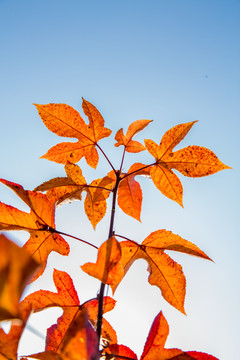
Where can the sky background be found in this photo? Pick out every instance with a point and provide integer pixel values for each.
(169, 61)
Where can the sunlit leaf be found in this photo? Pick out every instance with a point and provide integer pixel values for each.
(192, 161)
(40, 223)
(165, 273)
(64, 121)
(107, 268)
(16, 268)
(154, 347)
(126, 140)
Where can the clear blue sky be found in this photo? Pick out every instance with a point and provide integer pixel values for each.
(170, 61)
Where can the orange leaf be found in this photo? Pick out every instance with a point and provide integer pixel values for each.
(71, 188)
(66, 295)
(129, 191)
(67, 298)
(126, 140)
(120, 352)
(95, 204)
(193, 161)
(166, 240)
(164, 272)
(154, 346)
(107, 268)
(80, 342)
(16, 267)
(63, 120)
(130, 197)
(39, 223)
(46, 355)
(9, 342)
(196, 161)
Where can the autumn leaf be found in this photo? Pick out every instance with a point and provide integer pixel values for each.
(154, 346)
(16, 268)
(9, 342)
(126, 140)
(107, 268)
(80, 342)
(64, 121)
(192, 161)
(71, 188)
(130, 192)
(39, 223)
(66, 297)
(120, 351)
(165, 273)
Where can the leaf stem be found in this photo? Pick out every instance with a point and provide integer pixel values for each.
(111, 233)
(126, 238)
(73, 237)
(135, 171)
(99, 147)
(124, 151)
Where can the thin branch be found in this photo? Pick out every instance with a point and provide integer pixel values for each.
(99, 147)
(111, 233)
(73, 237)
(135, 171)
(124, 237)
(124, 151)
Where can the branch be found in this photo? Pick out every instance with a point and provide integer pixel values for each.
(73, 237)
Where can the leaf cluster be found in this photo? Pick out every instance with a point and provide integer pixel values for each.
(82, 332)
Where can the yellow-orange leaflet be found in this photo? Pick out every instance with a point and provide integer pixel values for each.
(130, 192)
(154, 348)
(126, 140)
(9, 342)
(65, 121)
(71, 188)
(165, 273)
(67, 298)
(193, 161)
(16, 267)
(40, 223)
(107, 268)
(79, 342)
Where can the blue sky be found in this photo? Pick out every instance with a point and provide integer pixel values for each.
(170, 61)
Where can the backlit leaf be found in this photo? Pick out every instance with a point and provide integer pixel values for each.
(130, 192)
(66, 297)
(40, 223)
(126, 140)
(9, 342)
(120, 351)
(63, 120)
(165, 273)
(107, 268)
(79, 343)
(16, 268)
(71, 188)
(192, 161)
(154, 347)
